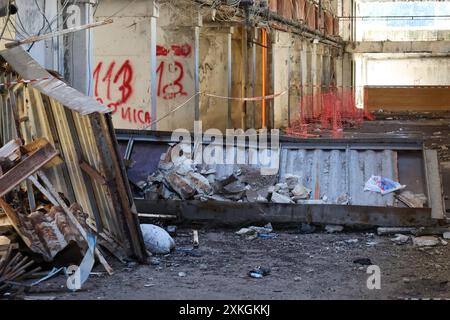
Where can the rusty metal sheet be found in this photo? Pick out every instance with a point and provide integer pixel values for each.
(29, 69)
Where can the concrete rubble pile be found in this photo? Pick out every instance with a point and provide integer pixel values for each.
(183, 180)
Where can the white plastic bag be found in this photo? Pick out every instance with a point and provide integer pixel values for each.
(382, 185)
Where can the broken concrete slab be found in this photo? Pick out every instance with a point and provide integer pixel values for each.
(180, 185)
(279, 198)
(292, 180)
(300, 192)
(199, 183)
(235, 187)
(426, 241)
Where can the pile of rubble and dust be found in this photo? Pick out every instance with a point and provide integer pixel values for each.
(182, 179)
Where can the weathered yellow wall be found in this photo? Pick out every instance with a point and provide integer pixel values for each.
(122, 63)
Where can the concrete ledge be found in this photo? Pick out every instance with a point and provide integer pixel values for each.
(435, 47)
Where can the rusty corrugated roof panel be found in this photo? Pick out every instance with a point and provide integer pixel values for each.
(29, 69)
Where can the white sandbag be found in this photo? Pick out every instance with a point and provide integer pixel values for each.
(156, 239)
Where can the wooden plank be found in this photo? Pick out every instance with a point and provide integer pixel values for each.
(26, 168)
(412, 98)
(11, 150)
(91, 172)
(36, 145)
(434, 183)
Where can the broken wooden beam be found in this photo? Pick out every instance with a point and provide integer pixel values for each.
(92, 173)
(26, 168)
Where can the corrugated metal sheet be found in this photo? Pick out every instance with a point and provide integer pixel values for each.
(334, 173)
(329, 173)
(29, 69)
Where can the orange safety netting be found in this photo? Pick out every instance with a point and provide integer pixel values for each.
(333, 111)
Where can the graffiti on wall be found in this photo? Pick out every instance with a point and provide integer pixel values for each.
(114, 86)
(171, 74)
(114, 82)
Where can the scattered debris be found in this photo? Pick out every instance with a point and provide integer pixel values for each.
(351, 241)
(412, 200)
(195, 241)
(259, 272)
(279, 198)
(298, 279)
(156, 239)
(300, 192)
(363, 261)
(254, 232)
(182, 274)
(382, 185)
(155, 261)
(14, 267)
(446, 235)
(400, 239)
(426, 241)
(334, 228)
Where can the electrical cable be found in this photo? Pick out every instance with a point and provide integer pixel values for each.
(8, 16)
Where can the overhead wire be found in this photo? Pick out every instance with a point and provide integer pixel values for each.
(8, 16)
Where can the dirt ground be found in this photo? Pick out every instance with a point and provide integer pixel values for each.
(303, 266)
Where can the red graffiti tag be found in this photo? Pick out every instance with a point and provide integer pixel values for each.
(178, 50)
(171, 73)
(182, 50)
(162, 51)
(119, 89)
(174, 88)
